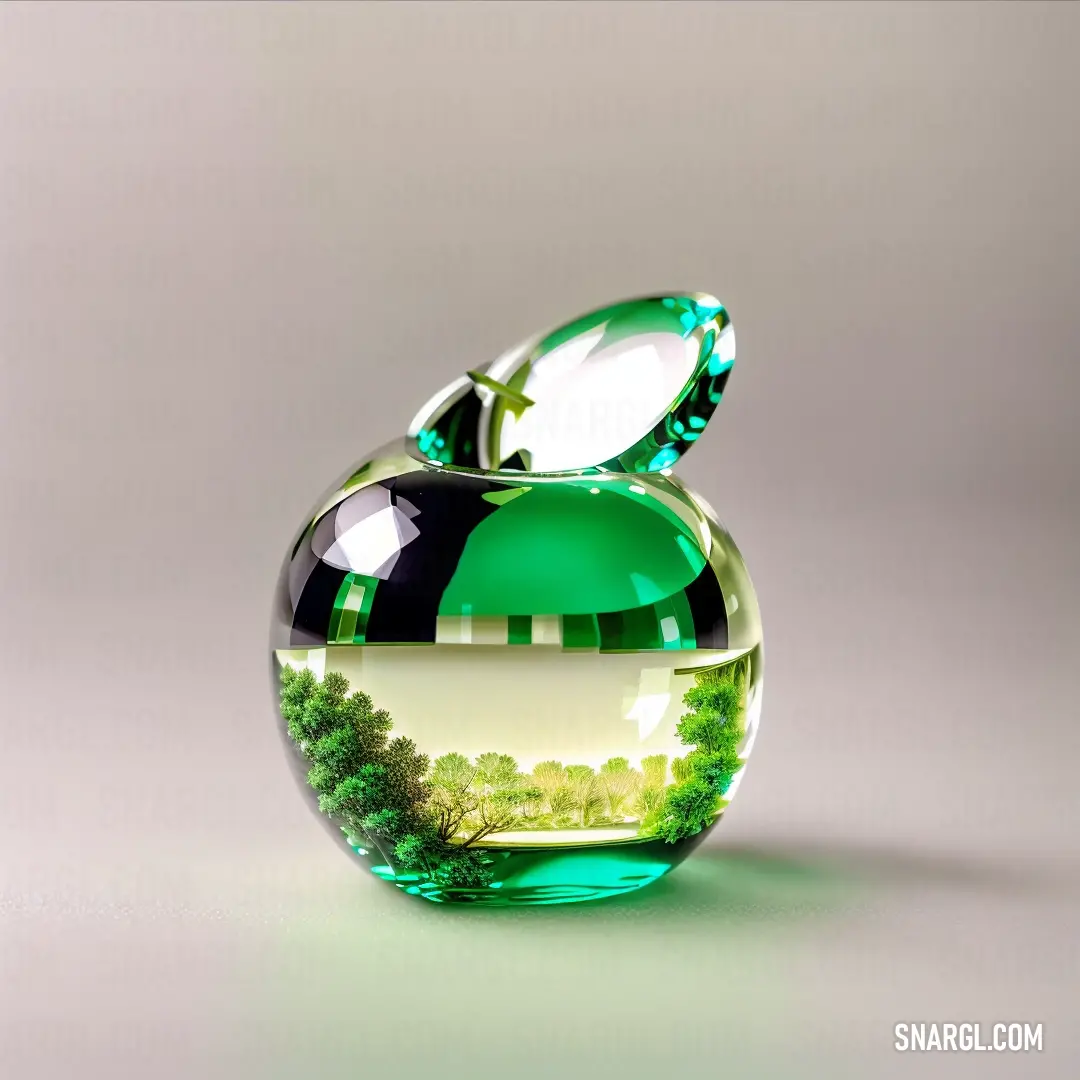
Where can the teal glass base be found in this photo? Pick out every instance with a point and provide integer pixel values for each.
(554, 875)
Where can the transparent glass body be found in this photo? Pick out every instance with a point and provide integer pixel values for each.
(507, 686)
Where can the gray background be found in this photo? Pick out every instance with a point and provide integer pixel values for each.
(240, 244)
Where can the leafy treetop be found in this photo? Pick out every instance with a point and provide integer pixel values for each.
(714, 728)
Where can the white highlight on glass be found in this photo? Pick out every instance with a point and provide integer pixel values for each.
(546, 630)
(592, 401)
(429, 406)
(314, 660)
(368, 545)
(652, 701)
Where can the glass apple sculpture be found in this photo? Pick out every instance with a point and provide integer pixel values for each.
(515, 660)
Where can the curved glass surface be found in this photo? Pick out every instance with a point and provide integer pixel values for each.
(627, 388)
(513, 686)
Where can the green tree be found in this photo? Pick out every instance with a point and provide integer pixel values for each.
(369, 784)
(718, 769)
(714, 729)
(646, 807)
(681, 769)
(619, 783)
(365, 793)
(549, 776)
(463, 868)
(445, 864)
(586, 794)
(716, 705)
(501, 789)
(556, 799)
(452, 797)
(655, 768)
(714, 725)
(313, 710)
(687, 809)
(649, 799)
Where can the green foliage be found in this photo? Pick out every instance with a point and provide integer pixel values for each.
(339, 753)
(464, 869)
(322, 778)
(549, 776)
(569, 796)
(496, 770)
(654, 770)
(714, 728)
(372, 786)
(647, 807)
(562, 805)
(618, 783)
(354, 798)
(716, 708)
(314, 710)
(433, 819)
(452, 798)
(453, 772)
(413, 851)
(718, 702)
(687, 809)
(586, 795)
(717, 769)
(682, 769)
(474, 799)
(500, 789)
(383, 822)
(406, 789)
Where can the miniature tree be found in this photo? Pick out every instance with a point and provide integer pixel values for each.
(585, 792)
(687, 809)
(452, 798)
(654, 768)
(333, 729)
(619, 784)
(555, 801)
(549, 776)
(650, 796)
(714, 728)
(501, 790)
(371, 785)
(681, 769)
